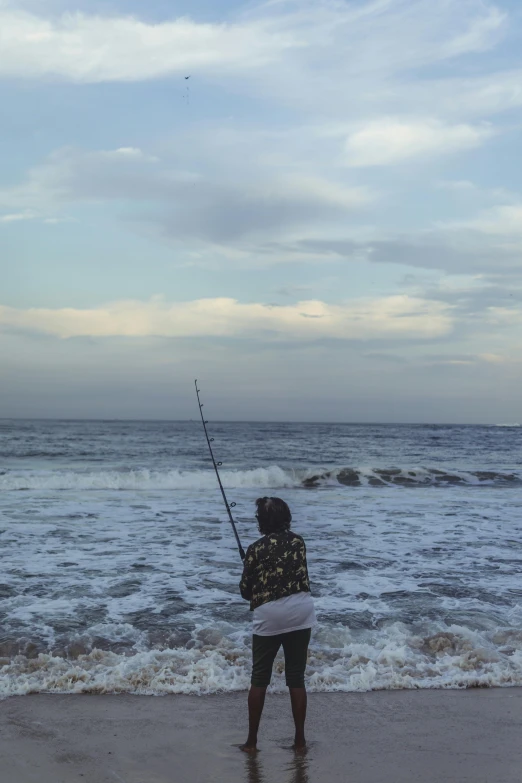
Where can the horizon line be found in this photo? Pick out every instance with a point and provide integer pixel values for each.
(112, 419)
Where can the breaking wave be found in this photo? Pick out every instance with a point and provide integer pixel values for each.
(273, 477)
(147, 479)
(455, 657)
(404, 477)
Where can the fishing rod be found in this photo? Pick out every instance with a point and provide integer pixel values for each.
(216, 465)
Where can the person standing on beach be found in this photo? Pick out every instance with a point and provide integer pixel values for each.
(275, 581)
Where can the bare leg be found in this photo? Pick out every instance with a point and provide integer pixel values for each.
(299, 701)
(256, 702)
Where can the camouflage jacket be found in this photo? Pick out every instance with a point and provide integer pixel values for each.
(275, 567)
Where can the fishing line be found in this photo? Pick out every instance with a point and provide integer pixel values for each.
(228, 505)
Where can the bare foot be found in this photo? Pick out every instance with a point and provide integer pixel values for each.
(248, 748)
(300, 746)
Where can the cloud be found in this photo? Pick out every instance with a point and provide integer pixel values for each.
(88, 48)
(453, 249)
(187, 204)
(53, 221)
(475, 194)
(504, 220)
(393, 317)
(246, 213)
(505, 316)
(250, 213)
(390, 141)
(494, 358)
(355, 42)
(15, 217)
(458, 186)
(319, 189)
(228, 213)
(480, 35)
(131, 153)
(369, 58)
(481, 95)
(272, 192)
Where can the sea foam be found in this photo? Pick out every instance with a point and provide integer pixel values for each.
(272, 476)
(453, 657)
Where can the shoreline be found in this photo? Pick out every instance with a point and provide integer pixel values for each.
(397, 736)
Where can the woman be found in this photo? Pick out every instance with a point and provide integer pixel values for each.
(275, 581)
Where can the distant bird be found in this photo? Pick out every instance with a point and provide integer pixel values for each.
(187, 77)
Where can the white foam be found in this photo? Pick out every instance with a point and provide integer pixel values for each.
(273, 476)
(451, 658)
(132, 572)
(145, 479)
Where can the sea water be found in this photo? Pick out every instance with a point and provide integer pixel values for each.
(119, 572)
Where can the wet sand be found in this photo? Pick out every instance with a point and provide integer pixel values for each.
(384, 737)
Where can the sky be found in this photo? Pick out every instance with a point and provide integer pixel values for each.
(314, 207)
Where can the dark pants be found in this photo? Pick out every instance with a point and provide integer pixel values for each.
(265, 648)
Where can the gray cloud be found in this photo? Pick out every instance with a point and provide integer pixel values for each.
(478, 298)
(187, 204)
(430, 250)
(220, 214)
(155, 379)
(379, 356)
(234, 217)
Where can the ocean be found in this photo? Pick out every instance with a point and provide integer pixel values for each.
(119, 571)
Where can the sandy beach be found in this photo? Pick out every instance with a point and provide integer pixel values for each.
(397, 737)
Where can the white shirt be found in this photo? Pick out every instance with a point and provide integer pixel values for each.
(292, 613)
